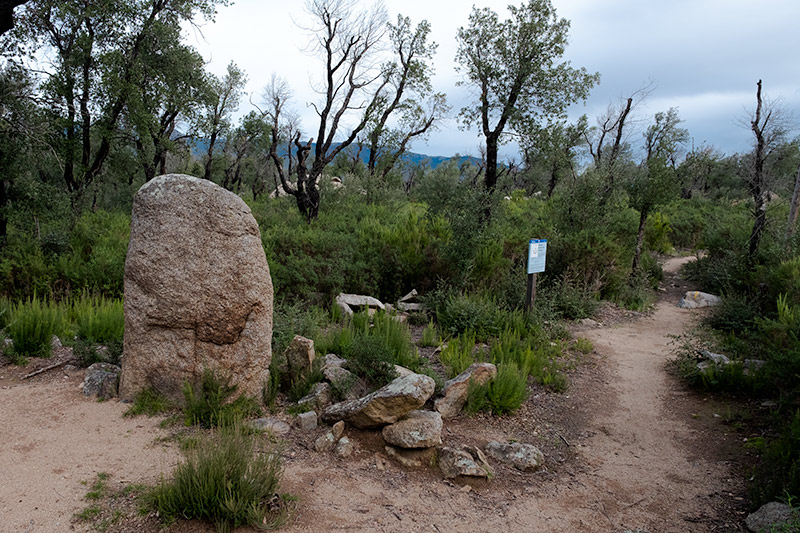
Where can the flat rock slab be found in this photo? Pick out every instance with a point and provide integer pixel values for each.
(770, 515)
(384, 406)
(419, 429)
(198, 294)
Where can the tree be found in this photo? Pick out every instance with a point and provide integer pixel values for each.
(98, 47)
(352, 89)
(552, 149)
(769, 130)
(516, 69)
(409, 74)
(224, 97)
(606, 140)
(656, 183)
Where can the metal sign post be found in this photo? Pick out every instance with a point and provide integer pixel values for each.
(537, 252)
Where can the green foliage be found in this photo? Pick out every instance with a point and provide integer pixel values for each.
(503, 395)
(779, 471)
(226, 480)
(583, 345)
(372, 346)
(99, 320)
(532, 354)
(207, 404)
(457, 356)
(457, 313)
(430, 335)
(657, 232)
(32, 326)
(372, 359)
(148, 402)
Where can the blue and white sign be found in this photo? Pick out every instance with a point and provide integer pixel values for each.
(537, 250)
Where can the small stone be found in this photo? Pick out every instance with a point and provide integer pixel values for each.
(454, 393)
(344, 448)
(299, 356)
(102, 380)
(272, 425)
(402, 458)
(525, 457)
(466, 489)
(454, 463)
(307, 421)
(379, 463)
(338, 429)
(319, 397)
(325, 443)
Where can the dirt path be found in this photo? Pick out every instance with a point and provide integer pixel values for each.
(624, 452)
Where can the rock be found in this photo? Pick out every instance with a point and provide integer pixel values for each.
(410, 296)
(307, 421)
(401, 371)
(408, 307)
(588, 322)
(319, 397)
(325, 443)
(525, 457)
(344, 448)
(454, 393)
(695, 299)
(380, 463)
(344, 381)
(716, 358)
(754, 364)
(419, 429)
(101, 380)
(454, 463)
(412, 458)
(299, 356)
(271, 425)
(338, 430)
(384, 406)
(347, 301)
(55, 343)
(769, 517)
(198, 293)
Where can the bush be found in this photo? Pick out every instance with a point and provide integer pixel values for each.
(372, 359)
(430, 335)
(503, 395)
(457, 355)
(224, 480)
(779, 472)
(532, 353)
(459, 313)
(32, 326)
(207, 405)
(99, 320)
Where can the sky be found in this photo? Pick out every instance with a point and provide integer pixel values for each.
(703, 57)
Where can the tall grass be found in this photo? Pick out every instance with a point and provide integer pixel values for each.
(207, 404)
(99, 320)
(32, 326)
(225, 480)
(457, 356)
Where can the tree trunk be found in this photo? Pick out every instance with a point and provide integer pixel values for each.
(794, 207)
(758, 181)
(491, 163)
(637, 255)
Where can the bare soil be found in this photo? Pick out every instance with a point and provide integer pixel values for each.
(628, 447)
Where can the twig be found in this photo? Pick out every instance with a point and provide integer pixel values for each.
(45, 369)
(637, 502)
(562, 438)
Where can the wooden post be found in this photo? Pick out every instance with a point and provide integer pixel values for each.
(530, 296)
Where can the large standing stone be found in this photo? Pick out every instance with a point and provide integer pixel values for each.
(454, 393)
(198, 294)
(386, 405)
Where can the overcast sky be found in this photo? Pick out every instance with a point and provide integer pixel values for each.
(704, 57)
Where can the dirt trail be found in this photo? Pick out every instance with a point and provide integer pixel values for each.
(633, 459)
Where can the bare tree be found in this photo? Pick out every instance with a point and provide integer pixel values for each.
(767, 125)
(351, 90)
(794, 207)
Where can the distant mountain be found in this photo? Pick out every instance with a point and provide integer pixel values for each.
(200, 147)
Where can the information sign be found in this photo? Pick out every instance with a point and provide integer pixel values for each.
(537, 251)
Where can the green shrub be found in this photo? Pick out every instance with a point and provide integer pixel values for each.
(779, 471)
(457, 356)
(503, 395)
(735, 313)
(532, 353)
(657, 232)
(572, 301)
(430, 335)
(88, 353)
(207, 404)
(583, 345)
(99, 320)
(32, 326)
(148, 402)
(372, 359)
(458, 313)
(225, 480)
